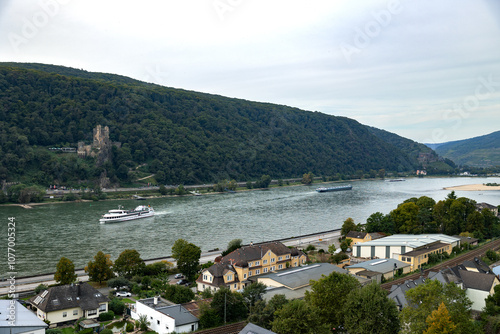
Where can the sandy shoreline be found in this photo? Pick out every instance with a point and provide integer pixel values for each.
(473, 187)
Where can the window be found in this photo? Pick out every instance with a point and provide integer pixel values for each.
(205, 277)
(65, 314)
(75, 312)
(257, 263)
(288, 256)
(102, 308)
(273, 260)
(158, 322)
(280, 266)
(235, 285)
(280, 258)
(273, 268)
(244, 276)
(249, 264)
(249, 273)
(229, 277)
(91, 312)
(257, 272)
(264, 262)
(265, 270)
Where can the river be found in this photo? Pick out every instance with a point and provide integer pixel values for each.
(47, 232)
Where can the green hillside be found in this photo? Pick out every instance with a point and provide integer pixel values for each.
(419, 154)
(180, 136)
(483, 151)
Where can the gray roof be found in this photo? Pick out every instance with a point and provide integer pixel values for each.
(398, 292)
(179, 313)
(380, 266)
(254, 329)
(356, 234)
(411, 240)
(297, 277)
(25, 320)
(477, 281)
(63, 297)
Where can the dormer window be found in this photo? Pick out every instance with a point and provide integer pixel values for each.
(229, 277)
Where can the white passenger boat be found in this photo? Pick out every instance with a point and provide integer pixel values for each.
(120, 215)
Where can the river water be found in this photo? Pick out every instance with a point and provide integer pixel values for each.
(46, 233)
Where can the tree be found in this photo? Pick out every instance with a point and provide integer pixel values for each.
(253, 293)
(262, 313)
(65, 273)
(425, 298)
(129, 263)
(368, 310)
(100, 269)
(347, 227)
(328, 296)
(178, 294)
(118, 282)
(209, 317)
(187, 256)
(439, 321)
(117, 306)
(297, 317)
(229, 303)
(232, 245)
(307, 178)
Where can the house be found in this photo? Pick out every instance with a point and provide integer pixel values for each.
(392, 246)
(358, 237)
(376, 269)
(64, 303)
(472, 276)
(420, 256)
(470, 240)
(17, 319)
(235, 269)
(254, 329)
(294, 282)
(492, 208)
(164, 316)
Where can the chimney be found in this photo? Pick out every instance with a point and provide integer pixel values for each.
(155, 300)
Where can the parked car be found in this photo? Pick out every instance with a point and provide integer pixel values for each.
(183, 282)
(123, 294)
(177, 276)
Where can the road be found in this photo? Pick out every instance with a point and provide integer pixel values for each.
(27, 284)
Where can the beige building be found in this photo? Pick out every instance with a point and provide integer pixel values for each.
(65, 303)
(235, 269)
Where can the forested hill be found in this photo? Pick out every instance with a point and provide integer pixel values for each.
(482, 151)
(181, 136)
(417, 152)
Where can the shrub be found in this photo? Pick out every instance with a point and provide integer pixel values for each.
(53, 331)
(310, 248)
(86, 331)
(321, 251)
(130, 327)
(116, 306)
(105, 316)
(40, 288)
(106, 331)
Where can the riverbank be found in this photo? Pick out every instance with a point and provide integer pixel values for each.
(473, 187)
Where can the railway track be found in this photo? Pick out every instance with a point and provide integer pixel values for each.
(478, 252)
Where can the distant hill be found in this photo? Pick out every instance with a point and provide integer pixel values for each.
(179, 136)
(419, 154)
(482, 151)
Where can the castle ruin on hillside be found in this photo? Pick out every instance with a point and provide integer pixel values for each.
(100, 147)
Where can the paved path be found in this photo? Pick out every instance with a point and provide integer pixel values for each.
(26, 284)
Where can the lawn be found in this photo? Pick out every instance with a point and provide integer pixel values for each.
(68, 330)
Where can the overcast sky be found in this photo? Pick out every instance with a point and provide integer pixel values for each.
(426, 70)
